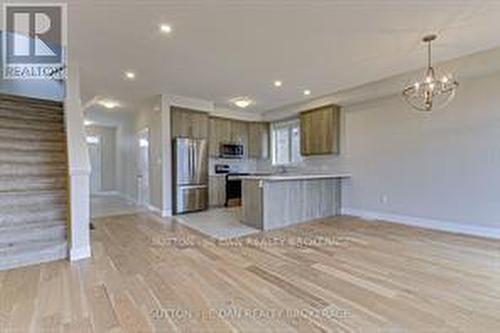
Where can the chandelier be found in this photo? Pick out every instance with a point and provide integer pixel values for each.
(432, 90)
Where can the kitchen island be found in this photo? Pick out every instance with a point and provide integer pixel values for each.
(280, 200)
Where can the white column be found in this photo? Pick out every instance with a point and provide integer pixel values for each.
(79, 169)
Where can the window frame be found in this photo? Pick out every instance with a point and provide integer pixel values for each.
(289, 124)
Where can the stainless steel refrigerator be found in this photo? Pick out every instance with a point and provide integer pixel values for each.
(190, 161)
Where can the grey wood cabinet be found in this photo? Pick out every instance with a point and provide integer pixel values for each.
(254, 136)
(189, 123)
(219, 132)
(239, 132)
(258, 140)
(217, 191)
(320, 131)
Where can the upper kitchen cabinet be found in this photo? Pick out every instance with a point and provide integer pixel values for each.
(220, 132)
(189, 123)
(239, 133)
(258, 140)
(320, 131)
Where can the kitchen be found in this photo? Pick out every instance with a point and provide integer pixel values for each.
(232, 169)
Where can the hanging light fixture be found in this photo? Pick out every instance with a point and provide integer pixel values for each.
(433, 90)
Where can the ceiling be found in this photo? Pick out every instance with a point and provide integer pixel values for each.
(219, 50)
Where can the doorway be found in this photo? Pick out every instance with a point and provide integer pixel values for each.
(142, 141)
(94, 145)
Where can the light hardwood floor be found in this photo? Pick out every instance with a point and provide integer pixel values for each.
(361, 277)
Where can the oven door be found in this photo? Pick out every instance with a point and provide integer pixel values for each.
(233, 192)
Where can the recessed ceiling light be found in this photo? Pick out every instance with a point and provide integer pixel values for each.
(130, 75)
(88, 122)
(165, 28)
(242, 102)
(278, 83)
(307, 92)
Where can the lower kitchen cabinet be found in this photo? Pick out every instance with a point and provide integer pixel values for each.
(217, 191)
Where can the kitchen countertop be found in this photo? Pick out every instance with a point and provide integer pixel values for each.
(295, 176)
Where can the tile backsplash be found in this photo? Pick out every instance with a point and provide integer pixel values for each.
(239, 166)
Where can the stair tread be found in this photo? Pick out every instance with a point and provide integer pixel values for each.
(30, 183)
(32, 200)
(17, 147)
(32, 135)
(32, 169)
(34, 193)
(28, 104)
(26, 99)
(40, 154)
(5, 161)
(9, 122)
(6, 113)
(28, 209)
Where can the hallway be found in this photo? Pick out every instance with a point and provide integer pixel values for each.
(111, 205)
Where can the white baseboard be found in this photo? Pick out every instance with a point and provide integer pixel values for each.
(167, 213)
(154, 209)
(79, 253)
(448, 226)
(106, 193)
(128, 198)
(159, 212)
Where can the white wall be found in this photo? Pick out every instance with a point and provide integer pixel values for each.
(107, 135)
(150, 116)
(443, 167)
(125, 167)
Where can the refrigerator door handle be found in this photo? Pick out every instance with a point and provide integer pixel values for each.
(195, 159)
(189, 161)
(192, 160)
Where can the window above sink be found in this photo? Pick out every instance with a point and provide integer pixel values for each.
(285, 137)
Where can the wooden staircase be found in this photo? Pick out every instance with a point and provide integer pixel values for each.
(33, 182)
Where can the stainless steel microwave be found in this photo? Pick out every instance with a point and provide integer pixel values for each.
(232, 150)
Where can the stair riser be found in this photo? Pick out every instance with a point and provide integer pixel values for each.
(22, 170)
(34, 185)
(31, 157)
(22, 134)
(37, 116)
(32, 201)
(31, 217)
(9, 144)
(29, 126)
(11, 238)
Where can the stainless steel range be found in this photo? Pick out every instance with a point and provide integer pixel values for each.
(233, 189)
